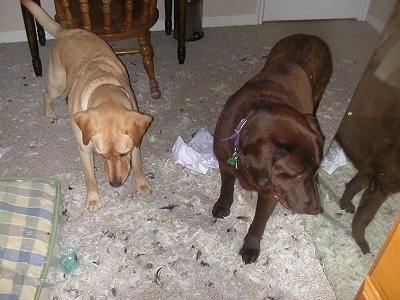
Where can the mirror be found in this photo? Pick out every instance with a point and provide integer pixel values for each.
(364, 172)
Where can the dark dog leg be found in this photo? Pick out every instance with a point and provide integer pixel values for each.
(354, 186)
(222, 207)
(366, 210)
(251, 246)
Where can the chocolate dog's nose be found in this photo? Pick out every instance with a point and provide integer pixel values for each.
(262, 182)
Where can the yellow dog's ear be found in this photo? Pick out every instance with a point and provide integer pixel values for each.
(86, 123)
(136, 126)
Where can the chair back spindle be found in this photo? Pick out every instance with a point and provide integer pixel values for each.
(115, 20)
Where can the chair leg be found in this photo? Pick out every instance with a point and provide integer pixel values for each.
(146, 50)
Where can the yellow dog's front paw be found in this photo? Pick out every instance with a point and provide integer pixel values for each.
(93, 204)
(49, 112)
(144, 189)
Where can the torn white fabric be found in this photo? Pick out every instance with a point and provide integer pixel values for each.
(198, 155)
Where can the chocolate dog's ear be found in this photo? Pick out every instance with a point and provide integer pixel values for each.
(312, 121)
(261, 154)
(136, 126)
(86, 123)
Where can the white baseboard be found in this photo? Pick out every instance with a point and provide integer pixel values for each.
(20, 36)
(230, 21)
(13, 37)
(377, 24)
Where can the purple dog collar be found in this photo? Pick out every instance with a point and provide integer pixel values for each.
(233, 160)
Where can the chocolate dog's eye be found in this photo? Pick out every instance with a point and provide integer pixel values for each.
(281, 152)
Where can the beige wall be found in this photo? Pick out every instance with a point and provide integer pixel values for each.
(11, 17)
(382, 9)
(217, 8)
(239, 12)
(380, 12)
(215, 13)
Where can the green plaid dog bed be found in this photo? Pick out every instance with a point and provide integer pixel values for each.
(29, 217)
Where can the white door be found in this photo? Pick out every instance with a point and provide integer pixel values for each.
(279, 10)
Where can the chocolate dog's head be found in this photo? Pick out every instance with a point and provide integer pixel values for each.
(280, 152)
(113, 136)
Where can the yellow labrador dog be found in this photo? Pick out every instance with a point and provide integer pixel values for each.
(101, 104)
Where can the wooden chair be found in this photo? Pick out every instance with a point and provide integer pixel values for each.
(115, 20)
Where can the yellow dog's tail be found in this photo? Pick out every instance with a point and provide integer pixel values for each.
(43, 18)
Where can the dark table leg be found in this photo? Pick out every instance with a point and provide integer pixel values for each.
(168, 16)
(179, 24)
(29, 22)
(181, 30)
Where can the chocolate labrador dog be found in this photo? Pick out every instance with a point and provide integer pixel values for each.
(268, 138)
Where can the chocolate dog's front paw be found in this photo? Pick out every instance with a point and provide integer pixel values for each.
(249, 255)
(220, 211)
(250, 249)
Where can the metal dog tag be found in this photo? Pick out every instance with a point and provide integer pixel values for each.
(233, 161)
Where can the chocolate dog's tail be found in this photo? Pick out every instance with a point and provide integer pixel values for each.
(43, 18)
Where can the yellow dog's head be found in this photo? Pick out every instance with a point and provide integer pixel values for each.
(113, 133)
